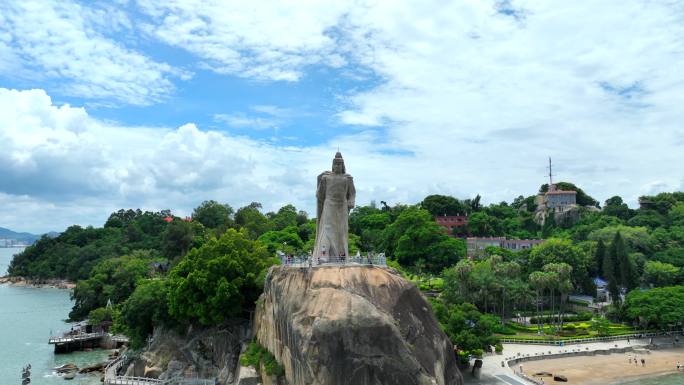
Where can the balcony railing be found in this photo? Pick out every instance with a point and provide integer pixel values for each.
(299, 261)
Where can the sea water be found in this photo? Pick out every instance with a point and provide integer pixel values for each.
(28, 316)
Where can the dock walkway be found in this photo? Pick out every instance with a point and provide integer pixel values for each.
(78, 341)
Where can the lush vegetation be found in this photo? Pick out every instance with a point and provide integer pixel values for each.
(256, 355)
(154, 268)
(223, 277)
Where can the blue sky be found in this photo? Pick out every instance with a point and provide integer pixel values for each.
(162, 104)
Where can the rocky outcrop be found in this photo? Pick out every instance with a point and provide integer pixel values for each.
(352, 325)
(201, 353)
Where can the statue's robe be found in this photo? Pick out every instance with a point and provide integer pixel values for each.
(335, 197)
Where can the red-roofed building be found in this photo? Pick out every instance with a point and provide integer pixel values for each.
(168, 219)
(452, 222)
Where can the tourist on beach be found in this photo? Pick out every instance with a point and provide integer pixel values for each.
(521, 368)
(643, 362)
(629, 359)
(679, 365)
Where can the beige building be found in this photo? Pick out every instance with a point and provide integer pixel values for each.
(476, 245)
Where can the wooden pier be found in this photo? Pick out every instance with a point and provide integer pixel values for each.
(72, 342)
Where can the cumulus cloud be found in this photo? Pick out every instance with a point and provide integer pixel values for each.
(266, 40)
(67, 42)
(467, 98)
(59, 160)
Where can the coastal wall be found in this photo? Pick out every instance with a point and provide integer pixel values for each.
(352, 325)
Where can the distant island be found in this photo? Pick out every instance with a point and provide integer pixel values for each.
(9, 238)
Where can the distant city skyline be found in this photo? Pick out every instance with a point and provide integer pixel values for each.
(161, 105)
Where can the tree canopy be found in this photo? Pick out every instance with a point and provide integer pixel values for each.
(221, 278)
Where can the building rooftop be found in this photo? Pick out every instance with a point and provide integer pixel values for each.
(561, 192)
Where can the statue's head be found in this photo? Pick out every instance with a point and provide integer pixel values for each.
(338, 164)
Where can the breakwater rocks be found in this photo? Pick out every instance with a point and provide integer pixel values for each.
(352, 325)
(53, 283)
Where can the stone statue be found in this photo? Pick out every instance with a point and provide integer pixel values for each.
(335, 196)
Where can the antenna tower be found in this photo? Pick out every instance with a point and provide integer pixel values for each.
(550, 174)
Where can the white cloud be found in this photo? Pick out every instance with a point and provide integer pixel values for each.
(64, 41)
(72, 168)
(241, 120)
(471, 97)
(267, 40)
(262, 117)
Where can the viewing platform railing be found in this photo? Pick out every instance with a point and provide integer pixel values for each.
(369, 260)
(575, 341)
(75, 337)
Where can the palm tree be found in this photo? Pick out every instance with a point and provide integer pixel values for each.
(538, 281)
(506, 272)
(562, 281)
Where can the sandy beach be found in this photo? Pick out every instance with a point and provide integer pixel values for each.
(616, 367)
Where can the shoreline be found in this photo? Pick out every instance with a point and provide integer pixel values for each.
(37, 283)
(583, 364)
(614, 368)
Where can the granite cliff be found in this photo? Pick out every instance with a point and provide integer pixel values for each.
(199, 353)
(352, 325)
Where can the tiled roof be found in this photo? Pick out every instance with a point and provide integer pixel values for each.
(561, 192)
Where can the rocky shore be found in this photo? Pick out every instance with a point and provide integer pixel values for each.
(51, 283)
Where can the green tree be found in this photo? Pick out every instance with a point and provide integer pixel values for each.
(538, 282)
(285, 217)
(112, 280)
(614, 206)
(368, 223)
(611, 274)
(601, 326)
(660, 307)
(219, 280)
(466, 327)
(637, 238)
(416, 240)
(214, 215)
(556, 250)
(178, 238)
(252, 220)
(286, 240)
(625, 270)
(144, 310)
(599, 256)
(676, 214)
(458, 282)
(660, 274)
(482, 224)
(647, 218)
(561, 279)
(439, 205)
(507, 274)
